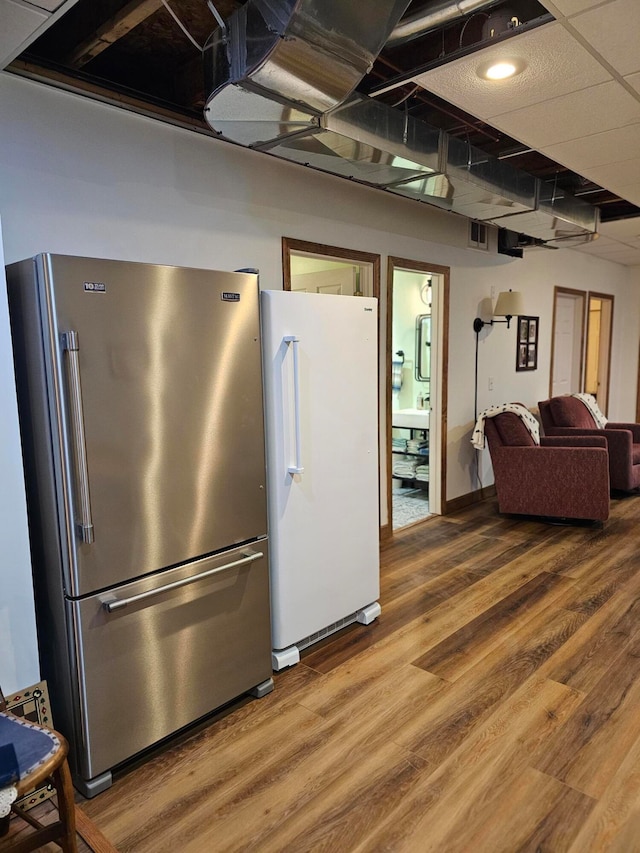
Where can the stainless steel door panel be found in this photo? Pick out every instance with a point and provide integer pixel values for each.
(161, 662)
(170, 413)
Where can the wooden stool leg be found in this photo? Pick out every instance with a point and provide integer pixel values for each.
(66, 807)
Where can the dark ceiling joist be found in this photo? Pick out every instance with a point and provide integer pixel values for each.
(115, 28)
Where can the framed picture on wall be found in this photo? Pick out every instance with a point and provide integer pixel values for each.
(527, 346)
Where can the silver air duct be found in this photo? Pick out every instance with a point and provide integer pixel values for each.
(281, 79)
(560, 219)
(432, 17)
(286, 62)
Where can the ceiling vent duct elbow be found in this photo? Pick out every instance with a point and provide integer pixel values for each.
(289, 61)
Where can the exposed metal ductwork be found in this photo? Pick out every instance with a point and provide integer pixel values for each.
(306, 55)
(282, 77)
(434, 16)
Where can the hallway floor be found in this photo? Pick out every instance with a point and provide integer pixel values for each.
(492, 707)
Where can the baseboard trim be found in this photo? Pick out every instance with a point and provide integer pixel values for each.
(470, 498)
(385, 532)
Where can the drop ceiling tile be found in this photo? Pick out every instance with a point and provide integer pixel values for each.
(605, 251)
(616, 37)
(627, 259)
(621, 229)
(630, 260)
(568, 7)
(596, 249)
(556, 64)
(616, 175)
(620, 144)
(17, 23)
(634, 81)
(571, 116)
(604, 241)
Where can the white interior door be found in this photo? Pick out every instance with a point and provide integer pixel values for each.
(567, 343)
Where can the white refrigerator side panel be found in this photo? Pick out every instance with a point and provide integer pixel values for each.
(323, 523)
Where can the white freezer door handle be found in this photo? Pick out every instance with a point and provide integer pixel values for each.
(298, 467)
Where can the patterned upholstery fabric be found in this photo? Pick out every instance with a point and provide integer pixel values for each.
(571, 412)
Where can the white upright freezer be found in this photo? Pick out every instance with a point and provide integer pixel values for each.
(320, 361)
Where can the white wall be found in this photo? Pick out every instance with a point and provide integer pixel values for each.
(18, 646)
(82, 178)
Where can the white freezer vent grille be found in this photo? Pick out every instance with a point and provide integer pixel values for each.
(326, 632)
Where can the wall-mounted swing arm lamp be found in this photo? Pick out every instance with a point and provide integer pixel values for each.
(509, 305)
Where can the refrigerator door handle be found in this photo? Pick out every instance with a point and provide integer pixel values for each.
(119, 603)
(71, 344)
(297, 468)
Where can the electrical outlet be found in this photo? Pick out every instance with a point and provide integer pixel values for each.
(491, 383)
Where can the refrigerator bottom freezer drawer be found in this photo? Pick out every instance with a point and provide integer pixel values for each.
(177, 649)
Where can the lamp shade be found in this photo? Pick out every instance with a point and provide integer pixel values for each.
(509, 304)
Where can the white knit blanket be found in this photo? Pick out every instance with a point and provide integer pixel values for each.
(594, 409)
(477, 439)
(8, 796)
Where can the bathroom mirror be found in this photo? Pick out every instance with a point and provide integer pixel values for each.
(423, 347)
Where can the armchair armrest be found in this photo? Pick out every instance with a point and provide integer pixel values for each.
(573, 441)
(618, 440)
(634, 429)
(560, 482)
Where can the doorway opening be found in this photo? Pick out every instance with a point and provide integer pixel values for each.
(416, 390)
(577, 365)
(598, 355)
(317, 268)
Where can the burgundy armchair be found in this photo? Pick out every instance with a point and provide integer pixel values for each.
(566, 416)
(563, 477)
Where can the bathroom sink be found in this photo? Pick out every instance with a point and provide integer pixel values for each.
(413, 418)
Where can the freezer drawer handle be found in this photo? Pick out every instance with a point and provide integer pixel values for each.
(72, 346)
(297, 468)
(119, 603)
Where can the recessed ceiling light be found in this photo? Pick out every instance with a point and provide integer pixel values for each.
(501, 69)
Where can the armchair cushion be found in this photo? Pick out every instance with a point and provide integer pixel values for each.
(512, 431)
(571, 412)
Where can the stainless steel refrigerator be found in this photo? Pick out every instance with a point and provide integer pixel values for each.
(140, 396)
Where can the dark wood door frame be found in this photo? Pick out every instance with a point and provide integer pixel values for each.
(393, 264)
(604, 297)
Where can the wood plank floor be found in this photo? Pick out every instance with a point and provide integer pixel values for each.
(494, 706)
